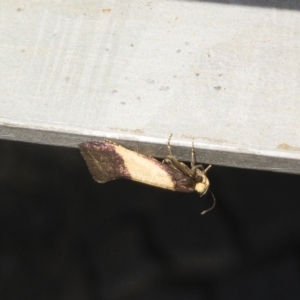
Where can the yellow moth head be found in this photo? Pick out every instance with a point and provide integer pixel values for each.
(203, 186)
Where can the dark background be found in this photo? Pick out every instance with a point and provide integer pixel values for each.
(63, 236)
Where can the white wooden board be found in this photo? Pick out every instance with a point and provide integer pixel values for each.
(224, 75)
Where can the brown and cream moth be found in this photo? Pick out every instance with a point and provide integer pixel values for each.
(108, 161)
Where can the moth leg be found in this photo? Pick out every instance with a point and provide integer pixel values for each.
(201, 168)
(193, 159)
(111, 142)
(194, 167)
(173, 161)
(169, 145)
(167, 161)
(207, 168)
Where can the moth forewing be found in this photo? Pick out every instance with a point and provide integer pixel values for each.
(108, 160)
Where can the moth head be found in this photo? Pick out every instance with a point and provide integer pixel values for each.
(202, 183)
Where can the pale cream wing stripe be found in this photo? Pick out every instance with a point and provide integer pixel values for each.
(145, 169)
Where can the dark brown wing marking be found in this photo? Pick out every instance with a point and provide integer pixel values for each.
(182, 183)
(103, 162)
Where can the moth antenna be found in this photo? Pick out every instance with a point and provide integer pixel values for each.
(212, 207)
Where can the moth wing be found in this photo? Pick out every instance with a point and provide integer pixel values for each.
(107, 161)
(103, 162)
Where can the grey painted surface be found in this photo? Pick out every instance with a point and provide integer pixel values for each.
(224, 75)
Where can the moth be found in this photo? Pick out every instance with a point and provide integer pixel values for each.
(107, 161)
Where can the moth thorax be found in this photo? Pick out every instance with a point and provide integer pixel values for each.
(202, 187)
